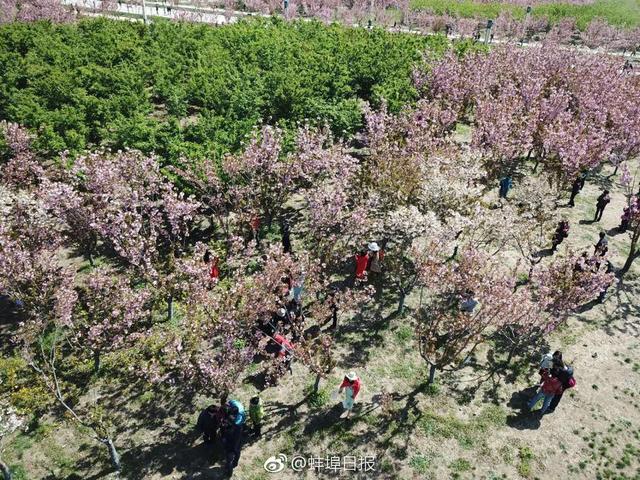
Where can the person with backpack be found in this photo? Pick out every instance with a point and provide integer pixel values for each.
(601, 203)
(235, 411)
(550, 387)
(564, 373)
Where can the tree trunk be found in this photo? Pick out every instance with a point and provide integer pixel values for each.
(512, 351)
(403, 296)
(631, 257)
(529, 154)
(615, 170)
(316, 385)
(6, 473)
(96, 361)
(432, 374)
(535, 165)
(91, 262)
(113, 454)
(170, 308)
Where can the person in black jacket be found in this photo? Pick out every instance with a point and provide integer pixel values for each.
(601, 203)
(232, 443)
(564, 373)
(578, 184)
(208, 423)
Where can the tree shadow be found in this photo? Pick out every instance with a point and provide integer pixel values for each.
(587, 222)
(612, 232)
(547, 252)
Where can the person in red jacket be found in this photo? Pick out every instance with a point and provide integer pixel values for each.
(214, 270)
(351, 386)
(550, 387)
(285, 353)
(362, 260)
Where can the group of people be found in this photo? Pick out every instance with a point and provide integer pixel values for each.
(556, 377)
(227, 423)
(368, 263)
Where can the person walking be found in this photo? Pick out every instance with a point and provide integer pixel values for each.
(550, 386)
(564, 373)
(601, 248)
(560, 234)
(256, 413)
(351, 386)
(505, 186)
(601, 203)
(576, 187)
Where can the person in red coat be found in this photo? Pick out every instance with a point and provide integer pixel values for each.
(550, 387)
(285, 353)
(214, 270)
(351, 386)
(362, 260)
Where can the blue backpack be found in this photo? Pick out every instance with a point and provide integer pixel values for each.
(241, 415)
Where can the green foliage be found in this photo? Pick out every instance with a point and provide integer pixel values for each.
(624, 13)
(404, 333)
(20, 385)
(460, 465)
(317, 399)
(18, 472)
(526, 456)
(183, 89)
(420, 463)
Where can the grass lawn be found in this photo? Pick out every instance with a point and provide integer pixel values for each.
(625, 13)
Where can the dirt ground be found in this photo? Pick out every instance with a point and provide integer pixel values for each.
(470, 425)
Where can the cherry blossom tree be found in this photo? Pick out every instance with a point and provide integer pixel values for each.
(555, 291)
(634, 228)
(451, 324)
(33, 10)
(112, 314)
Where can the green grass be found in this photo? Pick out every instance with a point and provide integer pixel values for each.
(420, 463)
(624, 13)
(526, 457)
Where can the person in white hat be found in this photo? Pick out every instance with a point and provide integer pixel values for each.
(374, 267)
(351, 386)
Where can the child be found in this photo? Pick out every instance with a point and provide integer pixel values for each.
(256, 413)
